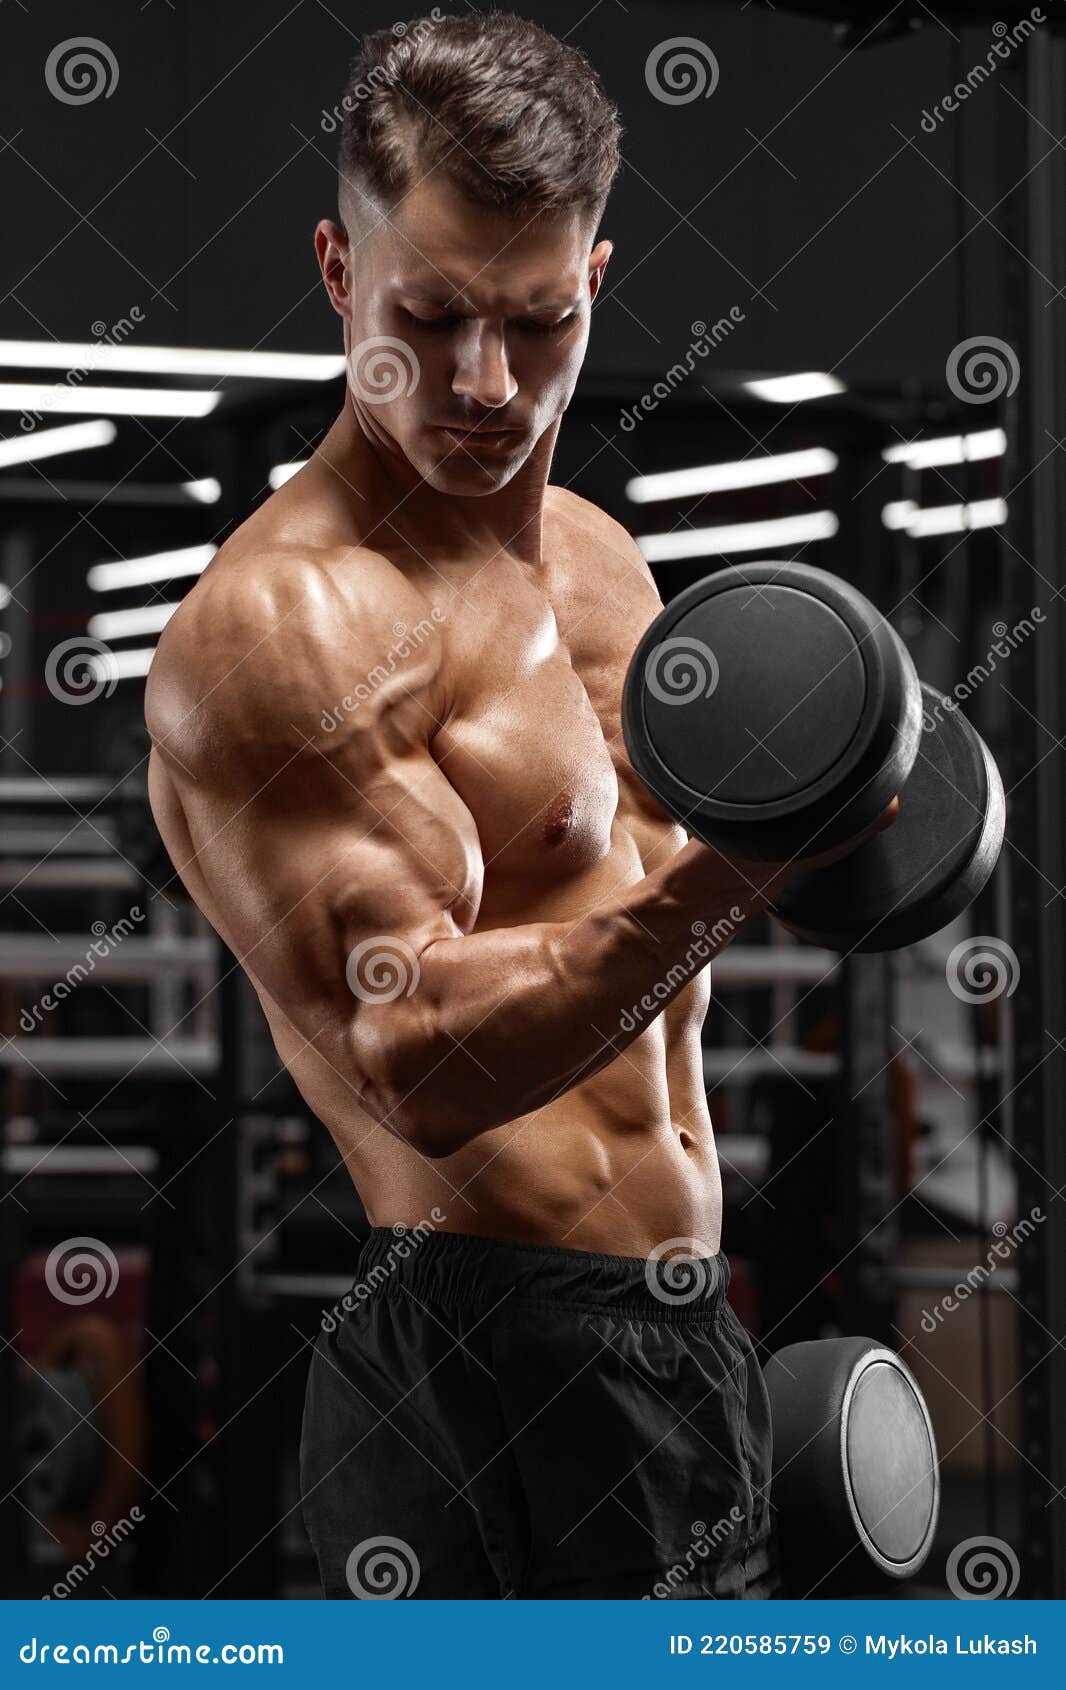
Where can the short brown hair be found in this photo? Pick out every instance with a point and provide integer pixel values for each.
(514, 117)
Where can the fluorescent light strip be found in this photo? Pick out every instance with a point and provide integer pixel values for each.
(113, 401)
(122, 624)
(121, 665)
(76, 437)
(920, 521)
(284, 472)
(741, 537)
(724, 478)
(5, 595)
(142, 571)
(206, 492)
(948, 449)
(792, 390)
(169, 360)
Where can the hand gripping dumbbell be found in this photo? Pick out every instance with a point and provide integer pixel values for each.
(775, 713)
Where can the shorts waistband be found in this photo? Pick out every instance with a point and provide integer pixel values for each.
(674, 1284)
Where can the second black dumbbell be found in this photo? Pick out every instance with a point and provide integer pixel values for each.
(775, 713)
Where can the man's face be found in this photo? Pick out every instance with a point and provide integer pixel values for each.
(465, 330)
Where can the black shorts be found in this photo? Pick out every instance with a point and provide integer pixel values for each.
(488, 1419)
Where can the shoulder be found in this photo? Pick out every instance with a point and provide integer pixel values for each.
(583, 520)
(267, 646)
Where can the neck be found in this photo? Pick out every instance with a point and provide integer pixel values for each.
(393, 505)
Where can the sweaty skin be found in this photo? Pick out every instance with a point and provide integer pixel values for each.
(388, 766)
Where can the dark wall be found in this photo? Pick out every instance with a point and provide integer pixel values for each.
(804, 191)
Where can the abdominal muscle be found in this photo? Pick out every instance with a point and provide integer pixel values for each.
(617, 1164)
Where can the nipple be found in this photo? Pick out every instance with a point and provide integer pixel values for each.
(558, 819)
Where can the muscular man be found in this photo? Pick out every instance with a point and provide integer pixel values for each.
(389, 768)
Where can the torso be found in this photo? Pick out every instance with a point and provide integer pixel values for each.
(532, 743)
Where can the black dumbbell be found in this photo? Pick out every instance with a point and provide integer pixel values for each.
(775, 713)
(856, 1477)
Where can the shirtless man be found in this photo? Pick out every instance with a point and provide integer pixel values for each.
(388, 766)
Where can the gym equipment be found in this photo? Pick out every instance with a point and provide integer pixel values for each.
(81, 1432)
(856, 1484)
(775, 713)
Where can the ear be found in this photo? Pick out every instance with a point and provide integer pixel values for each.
(331, 249)
(598, 259)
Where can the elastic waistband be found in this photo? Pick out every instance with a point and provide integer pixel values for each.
(675, 1284)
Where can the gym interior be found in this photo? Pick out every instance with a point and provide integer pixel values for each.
(834, 334)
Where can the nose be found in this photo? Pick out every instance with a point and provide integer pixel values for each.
(482, 373)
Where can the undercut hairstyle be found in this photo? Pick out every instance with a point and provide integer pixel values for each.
(513, 117)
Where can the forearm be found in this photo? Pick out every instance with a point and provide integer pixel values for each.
(501, 1022)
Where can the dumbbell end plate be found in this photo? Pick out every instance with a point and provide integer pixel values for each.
(914, 878)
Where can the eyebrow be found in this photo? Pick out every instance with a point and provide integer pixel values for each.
(443, 301)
